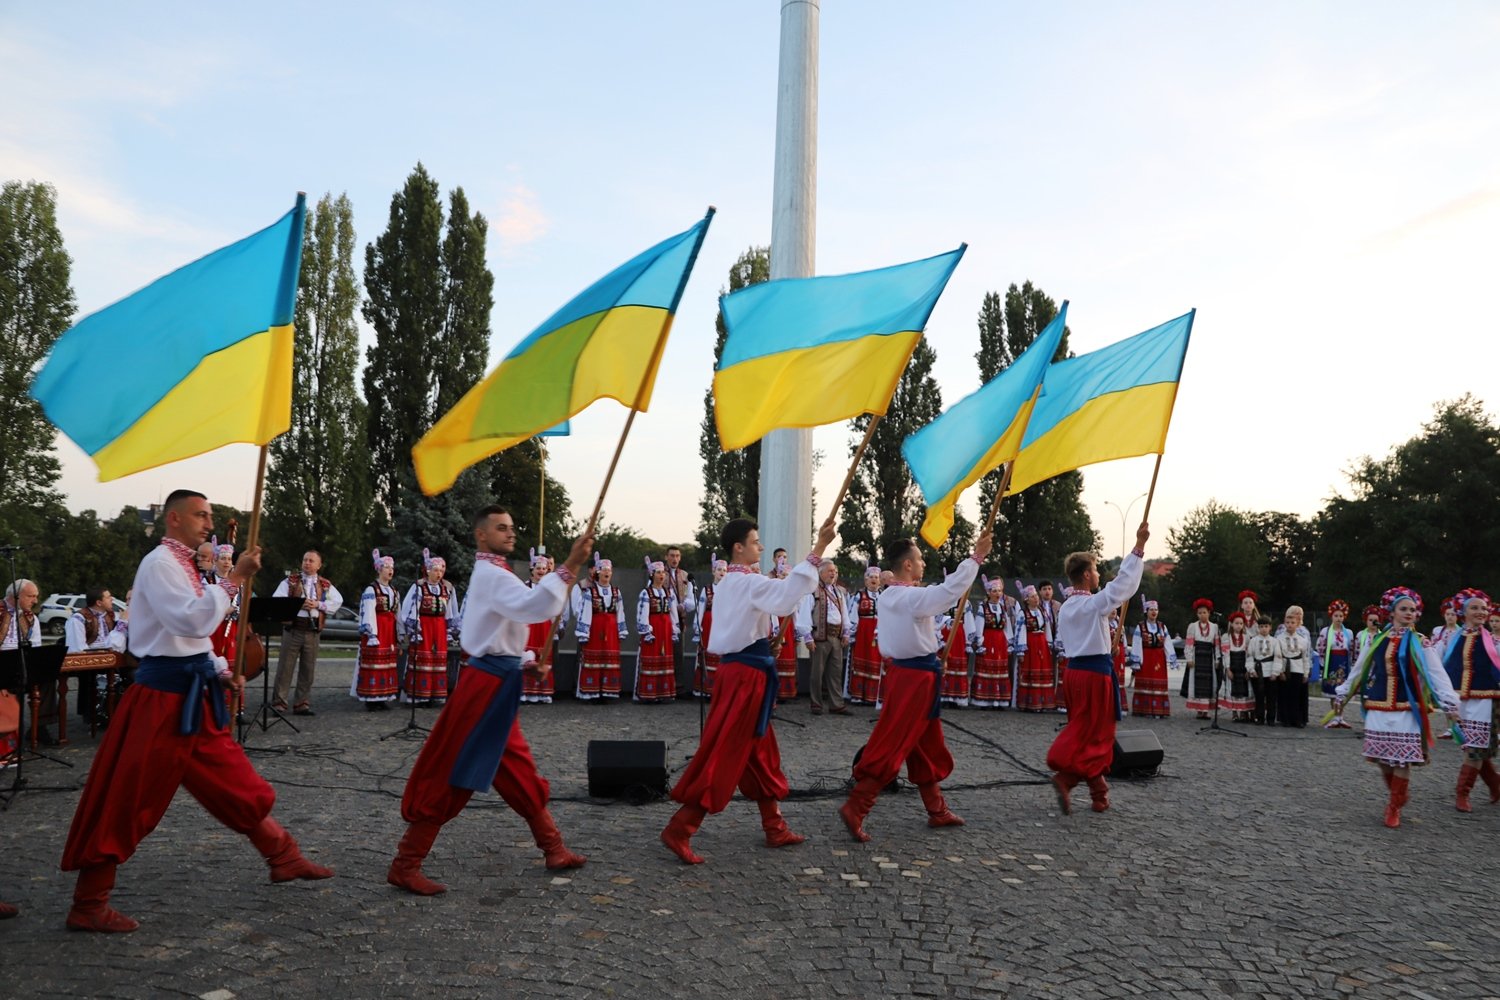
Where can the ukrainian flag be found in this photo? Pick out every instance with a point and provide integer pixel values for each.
(979, 433)
(800, 352)
(196, 360)
(1115, 402)
(605, 343)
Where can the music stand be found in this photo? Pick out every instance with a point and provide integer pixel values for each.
(21, 670)
(269, 617)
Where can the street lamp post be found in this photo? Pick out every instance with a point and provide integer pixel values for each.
(1124, 515)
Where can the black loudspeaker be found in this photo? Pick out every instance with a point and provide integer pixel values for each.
(627, 768)
(1136, 751)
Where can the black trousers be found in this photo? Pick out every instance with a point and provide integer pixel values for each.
(1291, 702)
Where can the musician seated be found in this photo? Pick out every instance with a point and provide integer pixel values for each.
(19, 626)
(94, 628)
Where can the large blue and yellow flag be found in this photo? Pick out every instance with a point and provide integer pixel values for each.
(1115, 402)
(196, 360)
(979, 433)
(801, 352)
(606, 342)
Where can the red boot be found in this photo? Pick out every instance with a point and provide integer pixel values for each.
(91, 910)
(1099, 793)
(1400, 792)
(1466, 777)
(1062, 783)
(679, 832)
(778, 834)
(1491, 780)
(406, 868)
(8, 910)
(938, 813)
(282, 854)
(861, 801)
(550, 840)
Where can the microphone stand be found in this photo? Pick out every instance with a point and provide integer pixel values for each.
(413, 729)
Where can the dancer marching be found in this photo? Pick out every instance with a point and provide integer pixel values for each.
(738, 748)
(476, 742)
(910, 729)
(374, 681)
(1397, 678)
(1084, 749)
(1331, 656)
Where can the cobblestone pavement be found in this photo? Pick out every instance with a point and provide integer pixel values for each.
(1251, 867)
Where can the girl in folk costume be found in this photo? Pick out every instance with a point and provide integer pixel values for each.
(1117, 657)
(1153, 653)
(374, 681)
(538, 690)
(1293, 666)
(784, 639)
(1201, 647)
(1036, 687)
(1445, 632)
(1397, 678)
(862, 685)
(708, 663)
(1472, 661)
(1374, 617)
(430, 612)
(1234, 650)
(1248, 608)
(953, 687)
(601, 626)
(993, 623)
(1333, 654)
(656, 621)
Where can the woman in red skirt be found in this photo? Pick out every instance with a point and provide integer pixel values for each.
(1153, 654)
(1037, 689)
(708, 663)
(865, 665)
(374, 681)
(1117, 655)
(954, 686)
(992, 627)
(431, 615)
(538, 690)
(656, 621)
(601, 626)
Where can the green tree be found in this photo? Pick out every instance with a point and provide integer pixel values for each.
(731, 480)
(36, 306)
(1288, 542)
(1220, 551)
(318, 492)
(1421, 516)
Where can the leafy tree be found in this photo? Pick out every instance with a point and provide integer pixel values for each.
(731, 480)
(1220, 551)
(1288, 542)
(318, 490)
(515, 480)
(36, 306)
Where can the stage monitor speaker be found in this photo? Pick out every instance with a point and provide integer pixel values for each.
(1136, 751)
(635, 769)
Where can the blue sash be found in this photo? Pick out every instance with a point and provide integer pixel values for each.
(930, 664)
(193, 676)
(1100, 663)
(758, 655)
(478, 760)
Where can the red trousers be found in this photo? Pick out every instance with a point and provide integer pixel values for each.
(904, 733)
(138, 769)
(730, 755)
(429, 798)
(1086, 746)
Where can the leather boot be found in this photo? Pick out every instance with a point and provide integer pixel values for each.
(1466, 777)
(406, 867)
(91, 910)
(1062, 784)
(679, 833)
(778, 834)
(281, 852)
(938, 813)
(1400, 788)
(8, 910)
(1491, 780)
(550, 840)
(1099, 792)
(861, 801)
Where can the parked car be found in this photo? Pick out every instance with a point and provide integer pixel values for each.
(55, 611)
(341, 626)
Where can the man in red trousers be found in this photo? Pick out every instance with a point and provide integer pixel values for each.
(476, 742)
(171, 729)
(909, 730)
(738, 747)
(1085, 747)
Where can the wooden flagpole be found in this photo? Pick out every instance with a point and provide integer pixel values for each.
(251, 542)
(989, 525)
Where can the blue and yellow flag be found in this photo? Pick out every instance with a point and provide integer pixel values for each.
(196, 360)
(801, 352)
(979, 433)
(606, 342)
(1115, 402)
